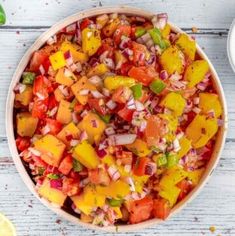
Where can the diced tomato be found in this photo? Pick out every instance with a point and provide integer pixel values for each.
(145, 96)
(66, 165)
(54, 126)
(97, 104)
(85, 23)
(106, 47)
(140, 167)
(46, 64)
(70, 187)
(22, 143)
(125, 157)
(52, 102)
(161, 208)
(139, 54)
(185, 187)
(74, 175)
(140, 210)
(39, 162)
(40, 108)
(126, 114)
(78, 108)
(121, 94)
(39, 57)
(122, 30)
(125, 67)
(141, 75)
(99, 176)
(42, 87)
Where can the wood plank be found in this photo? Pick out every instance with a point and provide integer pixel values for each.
(200, 13)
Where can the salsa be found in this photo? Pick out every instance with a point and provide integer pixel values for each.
(116, 118)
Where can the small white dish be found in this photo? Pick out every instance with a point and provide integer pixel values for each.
(231, 45)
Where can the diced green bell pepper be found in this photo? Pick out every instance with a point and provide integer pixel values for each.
(77, 166)
(28, 77)
(53, 176)
(156, 36)
(172, 160)
(106, 118)
(137, 90)
(115, 202)
(162, 161)
(157, 86)
(139, 32)
(2, 16)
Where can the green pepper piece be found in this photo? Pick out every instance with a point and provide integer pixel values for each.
(28, 77)
(77, 166)
(115, 202)
(162, 161)
(172, 160)
(137, 90)
(156, 36)
(53, 176)
(139, 32)
(72, 104)
(106, 118)
(157, 86)
(2, 16)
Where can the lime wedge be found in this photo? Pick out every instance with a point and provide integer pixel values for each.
(6, 227)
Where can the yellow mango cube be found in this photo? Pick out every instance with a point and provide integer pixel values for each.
(195, 176)
(62, 78)
(86, 154)
(82, 84)
(175, 102)
(57, 60)
(110, 27)
(166, 31)
(58, 95)
(114, 82)
(196, 72)
(139, 148)
(210, 102)
(185, 145)
(94, 132)
(171, 194)
(26, 124)
(64, 114)
(91, 41)
(25, 97)
(99, 70)
(51, 149)
(51, 194)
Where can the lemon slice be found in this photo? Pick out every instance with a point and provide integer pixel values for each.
(6, 227)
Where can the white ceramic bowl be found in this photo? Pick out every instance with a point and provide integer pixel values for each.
(231, 45)
(10, 130)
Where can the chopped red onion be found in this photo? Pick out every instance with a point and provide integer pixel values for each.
(96, 94)
(176, 145)
(46, 129)
(146, 37)
(127, 127)
(52, 40)
(74, 117)
(40, 96)
(96, 80)
(202, 86)
(104, 55)
(71, 28)
(111, 104)
(84, 92)
(143, 125)
(150, 168)
(139, 106)
(84, 113)
(160, 20)
(74, 142)
(124, 43)
(68, 58)
(127, 52)
(101, 153)
(53, 111)
(220, 122)
(109, 131)
(56, 183)
(42, 70)
(131, 104)
(179, 135)
(94, 123)
(140, 19)
(196, 110)
(196, 100)
(140, 40)
(64, 90)
(152, 59)
(106, 92)
(163, 75)
(34, 151)
(131, 184)
(122, 139)
(83, 136)
(109, 63)
(149, 43)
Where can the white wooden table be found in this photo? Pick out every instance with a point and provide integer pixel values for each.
(215, 206)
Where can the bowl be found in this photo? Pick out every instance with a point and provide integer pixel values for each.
(231, 45)
(10, 129)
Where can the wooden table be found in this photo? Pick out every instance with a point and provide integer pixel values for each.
(215, 206)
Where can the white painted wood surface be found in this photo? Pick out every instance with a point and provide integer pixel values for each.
(214, 206)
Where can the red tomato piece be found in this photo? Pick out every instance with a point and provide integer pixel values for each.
(39, 57)
(185, 187)
(54, 126)
(40, 108)
(85, 23)
(78, 108)
(66, 165)
(125, 67)
(141, 166)
(97, 104)
(121, 95)
(52, 102)
(161, 208)
(70, 187)
(106, 47)
(140, 210)
(139, 54)
(122, 30)
(22, 143)
(126, 114)
(42, 87)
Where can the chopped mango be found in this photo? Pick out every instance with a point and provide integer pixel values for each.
(91, 41)
(210, 102)
(57, 60)
(74, 50)
(51, 149)
(51, 194)
(86, 154)
(139, 148)
(99, 70)
(118, 212)
(171, 194)
(172, 60)
(139, 182)
(166, 31)
(187, 45)
(64, 114)
(65, 79)
(113, 82)
(201, 130)
(172, 123)
(25, 97)
(58, 95)
(175, 102)
(110, 27)
(82, 84)
(196, 72)
(26, 124)
(195, 175)
(69, 129)
(94, 132)
(185, 146)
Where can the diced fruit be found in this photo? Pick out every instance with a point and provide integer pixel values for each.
(53, 125)
(196, 72)
(22, 143)
(86, 154)
(161, 208)
(140, 167)
(121, 31)
(171, 194)
(175, 102)
(37, 59)
(91, 40)
(70, 186)
(58, 95)
(110, 27)
(187, 45)
(102, 20)
(166, 31)
(139, 148)
(126, 114)
(26, 96)
(81, 85)
(69, 132)
(51, 194)
(57, 60)
(157, 86)
(113, 82)
(98, 105)
(93, 126)
(209, 102)
(66, 165)
(140, 53)
(99, 176)
(64, 114)
(99, 70)
(185, 146)
(121, 94)
(40, 108)
(172, 60)
(51, 149)
(119, 58)
(185, 186)
(65, 79)
(201, 130)
(195, 176)
(26, 124)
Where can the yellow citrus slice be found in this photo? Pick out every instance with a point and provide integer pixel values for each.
(6, 227)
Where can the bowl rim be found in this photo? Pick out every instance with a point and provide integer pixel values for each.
(121, 9)
(231, 34)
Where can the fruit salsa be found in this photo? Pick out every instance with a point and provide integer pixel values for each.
(116, 118)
